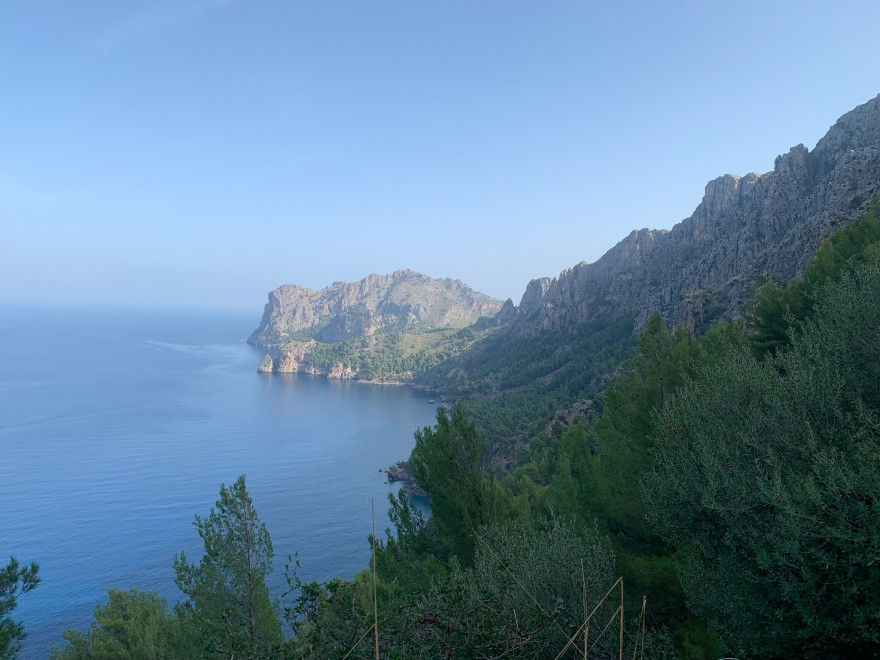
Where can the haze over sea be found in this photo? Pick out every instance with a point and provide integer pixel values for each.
(117, 426)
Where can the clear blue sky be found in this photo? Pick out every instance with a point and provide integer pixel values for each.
(203, 152)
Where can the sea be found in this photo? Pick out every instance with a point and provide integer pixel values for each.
(118, 426)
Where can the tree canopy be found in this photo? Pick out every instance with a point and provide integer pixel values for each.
(227, 592)
(767, 477)
(15, 580)
(133, 625)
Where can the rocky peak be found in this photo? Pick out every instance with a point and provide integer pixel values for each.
(534, 293)
(403, 300)
(854, 130)
(633, 250)
(725, 192)
(768, 224)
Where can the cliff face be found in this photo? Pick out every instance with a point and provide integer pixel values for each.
(768, 224)
(404, 301)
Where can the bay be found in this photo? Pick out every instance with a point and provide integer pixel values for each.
(117, 426)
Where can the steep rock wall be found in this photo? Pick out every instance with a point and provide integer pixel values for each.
(404, 300)
(768, 224)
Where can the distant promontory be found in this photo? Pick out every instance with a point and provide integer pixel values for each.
(381, 328)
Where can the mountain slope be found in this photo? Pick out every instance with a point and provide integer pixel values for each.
(403, 301)
(564, 342)
(768, 224)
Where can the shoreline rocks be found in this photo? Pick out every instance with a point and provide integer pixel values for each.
(400, 472)
(267, 365)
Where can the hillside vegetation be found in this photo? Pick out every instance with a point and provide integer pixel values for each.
(730, 481)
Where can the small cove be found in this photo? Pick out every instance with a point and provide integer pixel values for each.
(117, 426)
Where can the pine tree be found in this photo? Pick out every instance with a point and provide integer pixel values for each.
(15, 580)
(229, 600)
(449, 463)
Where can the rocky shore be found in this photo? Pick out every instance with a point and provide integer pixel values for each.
(400, 472)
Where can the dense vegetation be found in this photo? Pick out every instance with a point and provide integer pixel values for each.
(766, 477)
(731, 478)
(227, 612)
(386, 355)
(512, 386)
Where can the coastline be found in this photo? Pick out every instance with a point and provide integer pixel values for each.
(338, 372)
(400, 472)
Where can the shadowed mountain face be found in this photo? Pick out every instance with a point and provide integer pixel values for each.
(701, 270)
(565, 341)
(768, 224)
(404, 301)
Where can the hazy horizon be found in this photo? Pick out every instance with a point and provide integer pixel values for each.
(200, 153)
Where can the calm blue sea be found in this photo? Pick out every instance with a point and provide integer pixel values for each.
(116, 427)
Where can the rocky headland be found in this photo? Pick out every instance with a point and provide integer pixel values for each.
(703, 269)
(403, 301)
(376, 330)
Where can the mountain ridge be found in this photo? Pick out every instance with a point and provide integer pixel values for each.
(702, 269)
(565, 342)
(744, 227)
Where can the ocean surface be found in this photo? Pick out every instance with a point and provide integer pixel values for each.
(118, 426)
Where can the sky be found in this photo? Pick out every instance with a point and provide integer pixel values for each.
(199, 153)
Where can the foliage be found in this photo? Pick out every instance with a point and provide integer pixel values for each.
(449, 463)
(591, 470)
(624, 436)
(133, 625)
(778, 313)
(774, 315)
(414, 554)
(228, 598)
(525, 595)
(767, 477)
(335, 618)
(15, 580)
(757, 455)
(386, 355)
(329, 619)
(511, 386)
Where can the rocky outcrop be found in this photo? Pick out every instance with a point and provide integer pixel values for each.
(341, 372)
(400, 472)
(267, 365)
(504, 316)
(579, 409)
(296, 357)
(747, 226)
(535, 292)
(403, 301)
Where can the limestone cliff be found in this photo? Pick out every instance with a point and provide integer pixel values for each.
(373, 330)
(535, 292)
(403, 301)
(768, 224)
